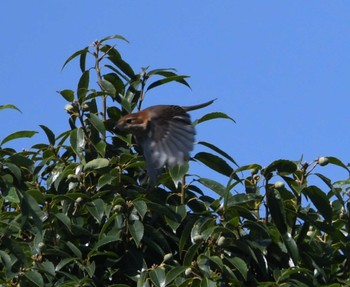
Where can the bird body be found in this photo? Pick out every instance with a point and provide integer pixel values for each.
(165, 134)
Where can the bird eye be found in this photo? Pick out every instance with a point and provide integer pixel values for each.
(128, 121)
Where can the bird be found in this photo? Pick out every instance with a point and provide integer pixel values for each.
(165, 134)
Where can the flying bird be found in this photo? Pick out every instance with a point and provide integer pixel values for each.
(165, 134)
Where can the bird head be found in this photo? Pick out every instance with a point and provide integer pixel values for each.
(134, 123)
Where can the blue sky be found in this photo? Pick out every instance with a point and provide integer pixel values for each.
(280, 68)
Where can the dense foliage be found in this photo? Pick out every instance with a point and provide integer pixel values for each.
(78, 210)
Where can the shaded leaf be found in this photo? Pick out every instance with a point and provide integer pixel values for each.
(241, 266)
(74, 55)
(83, 85)
(277, 210)
(137, 230)
(35, 278)
(174, 273)
(50, 135)
(320, 200)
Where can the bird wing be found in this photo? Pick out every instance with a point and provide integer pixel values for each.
(169, 140)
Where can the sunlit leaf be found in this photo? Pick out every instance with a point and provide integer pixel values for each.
(96, 164)
(212, 116)
(98, 124)
(68, 95)
(108, 87)
(178, 172)
(158, 277)
(18, 135)
(219, 151)
(213, 185)
(215, 163)
(177, 78)
(116, 36)
(9, 106)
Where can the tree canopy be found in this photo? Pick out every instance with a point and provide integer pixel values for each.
(78, 210)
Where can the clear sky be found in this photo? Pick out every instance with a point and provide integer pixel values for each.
(281, 69)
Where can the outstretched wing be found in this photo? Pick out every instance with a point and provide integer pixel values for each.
(169, 140)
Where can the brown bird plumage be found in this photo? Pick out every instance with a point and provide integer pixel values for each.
(165, 134)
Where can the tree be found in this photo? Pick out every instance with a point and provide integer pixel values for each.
(78, 210)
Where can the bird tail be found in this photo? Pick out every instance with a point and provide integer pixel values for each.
(196, 107)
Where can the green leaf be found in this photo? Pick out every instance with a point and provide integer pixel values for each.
(174, 273)
(31, 211)
(277, 210)
(282, 166)
(338, 162)
(215, 163)
(15, 170)
(9, 106)
(116, 59)
(76, 251)
(137, 230)
(11, 195)
(291, 247)
(116, 36)
(77, 141)
(178, 172)
(214, 186)
(105, 240)
(68, 95)
(18, 135)
(35, 278)
(219, 151)
(212, 116)
(98, 124)
(141, 207)
(65, 220)
(320, 200)
(177, 78)
(190, 254)
(76, 54)
(105, 179)
(83, 85)
(96, 164)
(175, 222)
(158, 277)
(50, 135)
(97, 209)
(241, 266)
(108, 87)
